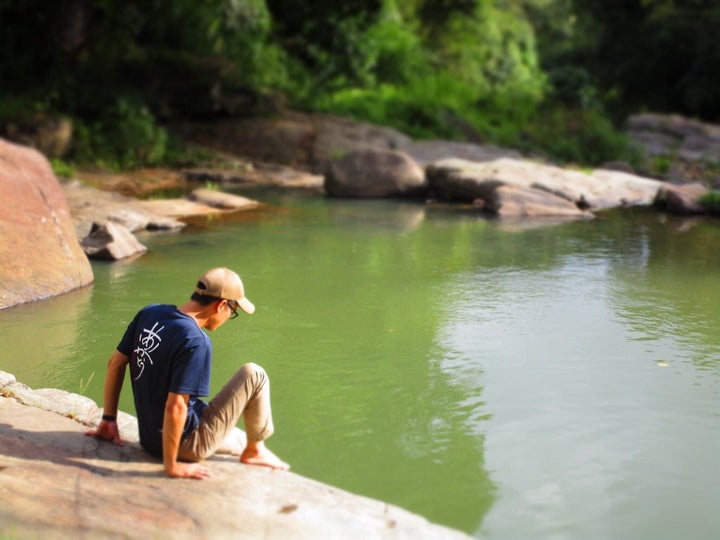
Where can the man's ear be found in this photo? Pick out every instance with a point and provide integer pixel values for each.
(219, 305)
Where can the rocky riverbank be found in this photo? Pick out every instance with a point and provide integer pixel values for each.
(327, 155)
(57, 483)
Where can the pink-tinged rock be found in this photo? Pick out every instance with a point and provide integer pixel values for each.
(40, 255)
(55, 482)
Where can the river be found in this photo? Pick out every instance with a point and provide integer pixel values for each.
(550, 382)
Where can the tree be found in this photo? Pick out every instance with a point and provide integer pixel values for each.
(654, 54)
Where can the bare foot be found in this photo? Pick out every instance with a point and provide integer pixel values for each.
(259, 454)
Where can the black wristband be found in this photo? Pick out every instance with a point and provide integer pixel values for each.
(109, 417)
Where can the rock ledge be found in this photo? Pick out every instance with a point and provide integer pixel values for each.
(57, 483)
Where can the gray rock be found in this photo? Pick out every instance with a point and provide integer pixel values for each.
(427, 152)
(337, 136)
(373, 173)
(675, 137)
(111, 241)
(510, 201)
(308, 141)
(89, 205)
(468, 181)
(284, 139)
(259, 174)
(220, 199)
(682, 199)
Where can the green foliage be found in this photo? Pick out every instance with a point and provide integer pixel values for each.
(137, 62)
(61, 168)
(539, 74)
(417, 109)
(126, 136)
(711, 200)
(659, 165)
(441, 80)
(394, 52)
(581, 137)
(503, 61)
(654, 54)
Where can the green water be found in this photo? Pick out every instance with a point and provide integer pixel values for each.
(512, 382)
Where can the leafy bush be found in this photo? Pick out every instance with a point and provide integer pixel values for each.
(62, 169)
(126, 136)
(577, 136)
(438, 80)
(711, 200)
(418, 110)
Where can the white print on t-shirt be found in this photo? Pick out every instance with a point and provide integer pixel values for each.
(149, 341)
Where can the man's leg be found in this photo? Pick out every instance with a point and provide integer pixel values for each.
(246, 394)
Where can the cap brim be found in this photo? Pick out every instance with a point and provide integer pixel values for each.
(246, 305)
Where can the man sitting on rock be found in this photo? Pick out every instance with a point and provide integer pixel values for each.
(169, 357)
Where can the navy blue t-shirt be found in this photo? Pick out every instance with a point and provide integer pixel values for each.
(168, 353)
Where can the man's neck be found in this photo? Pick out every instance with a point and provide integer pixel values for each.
(196, 311)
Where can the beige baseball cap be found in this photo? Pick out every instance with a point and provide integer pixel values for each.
(225, 284)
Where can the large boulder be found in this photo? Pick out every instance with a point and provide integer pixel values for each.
(677, 148)
(457, 179)
(675, 135)
(374, 173)
(336, 136)
(39, 253)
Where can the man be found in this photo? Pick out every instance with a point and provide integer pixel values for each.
(169, 357)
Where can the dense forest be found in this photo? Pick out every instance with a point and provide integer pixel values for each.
(553, 77)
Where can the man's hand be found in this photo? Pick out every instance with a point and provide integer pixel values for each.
(108, 431)
(188, 470)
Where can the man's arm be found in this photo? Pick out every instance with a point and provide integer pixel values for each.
(173, 423)
(114, 377)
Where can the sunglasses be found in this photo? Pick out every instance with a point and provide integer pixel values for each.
(233, 305)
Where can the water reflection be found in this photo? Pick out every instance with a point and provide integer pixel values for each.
(43, 337)
(582, 411)
(676, 296)
(379, 215)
